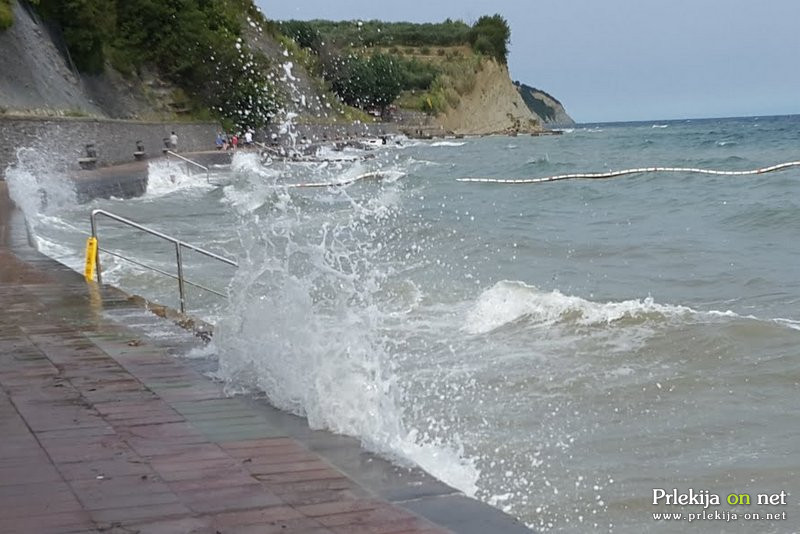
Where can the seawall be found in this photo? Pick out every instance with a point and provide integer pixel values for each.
(63, 140)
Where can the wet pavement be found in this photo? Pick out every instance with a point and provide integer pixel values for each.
(104, 430)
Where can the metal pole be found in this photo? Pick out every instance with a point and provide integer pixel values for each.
(180, 276)
(97, 251)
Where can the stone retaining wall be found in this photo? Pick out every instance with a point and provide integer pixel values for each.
(63, 140)
(115, 141)
(329, 132)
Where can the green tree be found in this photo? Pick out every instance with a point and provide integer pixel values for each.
(86, 26)
(491, 36)
(387, 80)
(365, 83)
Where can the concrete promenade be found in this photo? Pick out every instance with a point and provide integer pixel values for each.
(102, 430)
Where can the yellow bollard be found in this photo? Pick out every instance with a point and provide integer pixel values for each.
(91, 259)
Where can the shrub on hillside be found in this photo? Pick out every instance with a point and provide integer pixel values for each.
(365, 82)
(418, 74)
(6, 16)
(195, 44)
(491, 36)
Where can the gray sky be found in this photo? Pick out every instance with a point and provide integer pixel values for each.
(617, 60)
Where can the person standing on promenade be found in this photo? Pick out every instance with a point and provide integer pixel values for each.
(173, 142)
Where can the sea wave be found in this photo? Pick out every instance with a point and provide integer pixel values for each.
(509, 302)
(448, 143)
(165, 177)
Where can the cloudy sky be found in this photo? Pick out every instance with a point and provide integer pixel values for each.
(617, 60)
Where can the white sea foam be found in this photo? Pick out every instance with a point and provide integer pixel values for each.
(788, 323)
(510, 301)
(63, 253)
(165, 177)
(37, 186)
(448, 143)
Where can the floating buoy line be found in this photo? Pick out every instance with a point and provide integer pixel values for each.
(614, 174)
(337, 184)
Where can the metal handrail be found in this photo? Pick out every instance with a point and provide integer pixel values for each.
(187, 160)
(179, 246)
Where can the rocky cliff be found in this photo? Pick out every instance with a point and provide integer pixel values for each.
(36, 77)
(550, 111)
(493, 106)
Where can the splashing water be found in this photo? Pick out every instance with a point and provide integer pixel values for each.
(38, 187)
(306, 319)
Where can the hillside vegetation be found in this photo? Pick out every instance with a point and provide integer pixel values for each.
(223, 60)
(6, 18)
(195, 44)
(429, 66)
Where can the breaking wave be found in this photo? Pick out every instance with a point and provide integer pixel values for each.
(510, 302)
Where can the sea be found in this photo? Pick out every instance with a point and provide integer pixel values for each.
(563, 351)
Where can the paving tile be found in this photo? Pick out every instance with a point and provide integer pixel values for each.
(176, 464)
(303, 498)
(121, 466)
(11, 508)
(313, 485)
(339, 507)
(183, 525)
(200, 451)
(86, 448)
(229, 480)
(94, 489)
(48, 523)
(130, 500)
(134, 514)
(155, 446)
(201, 471)
(231, 498)
(286, 467)
(34, 491)
(288, 526)
(375, 516)
(264, 443)
(302, 476)
(27, 474)
(402, 526)
(262, 516)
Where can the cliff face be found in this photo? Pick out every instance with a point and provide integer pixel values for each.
(493, 106)
(36, 77)
(549, 110)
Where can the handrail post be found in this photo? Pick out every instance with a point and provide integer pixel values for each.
(191, 162)
(97, 250)
(179, 246)
(180, 276)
